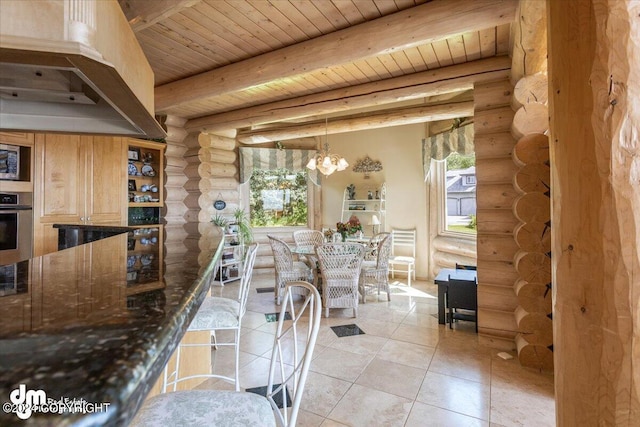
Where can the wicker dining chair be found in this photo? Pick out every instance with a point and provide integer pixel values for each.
(374, 276)
(287, 269)
(308, 239)
(340, 265)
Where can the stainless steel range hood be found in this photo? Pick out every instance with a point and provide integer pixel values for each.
(73, 66)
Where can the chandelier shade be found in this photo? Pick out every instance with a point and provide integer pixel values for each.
(326, 162)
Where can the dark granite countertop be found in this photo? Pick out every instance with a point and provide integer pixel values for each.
(74, 325)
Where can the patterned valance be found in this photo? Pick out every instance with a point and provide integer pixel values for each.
(274, 158)
(438, 147)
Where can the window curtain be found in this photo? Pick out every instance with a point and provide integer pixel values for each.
(439, 147)
(274, 158)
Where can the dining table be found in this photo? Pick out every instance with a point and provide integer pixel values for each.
(442, 280)
(309, 253)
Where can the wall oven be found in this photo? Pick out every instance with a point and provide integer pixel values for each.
(16, 227)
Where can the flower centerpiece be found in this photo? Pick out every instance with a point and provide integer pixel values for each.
(349, 228)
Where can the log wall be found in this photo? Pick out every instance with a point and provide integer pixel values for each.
(496, 247)
(594, 51)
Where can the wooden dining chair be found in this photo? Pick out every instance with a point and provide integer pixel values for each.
(405, 261)
(465, 267)
(288, 371)
(462, 295)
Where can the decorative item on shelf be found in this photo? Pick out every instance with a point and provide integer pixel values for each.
(147, 157)
(132, 185)
(377, 195)
(351, 189)
(349, 228)
(147, 170)
(367, 166)
(373, 222)
(134, 154)
(326, 162)
(370, 195)
(132, 169)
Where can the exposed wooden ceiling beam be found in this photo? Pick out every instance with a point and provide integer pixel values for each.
(383, 119)
(144, 13)
(418, 25)
(419, 85)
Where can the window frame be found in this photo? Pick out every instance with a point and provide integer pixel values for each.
(439, 176)
(313, 199)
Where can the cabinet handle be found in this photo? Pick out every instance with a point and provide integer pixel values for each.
(82, 218)
(88, 218)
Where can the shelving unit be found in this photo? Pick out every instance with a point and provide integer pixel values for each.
(144, 259)
(145, 172)
(230, 263)
(145, 181)
(364, 208)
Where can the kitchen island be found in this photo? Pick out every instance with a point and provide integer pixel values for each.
(76, 330)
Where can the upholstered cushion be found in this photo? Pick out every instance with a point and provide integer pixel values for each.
(369, 265)
(205, 408)
(300, 265)
(403, 259)
(216, 313)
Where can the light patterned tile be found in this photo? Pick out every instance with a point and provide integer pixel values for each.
(394, 378)
(361, 344)
(417, 335)
(461, 364)
(438, 417)
(322, 393)
(521, 397)
(455, 394)
(418, 356)
(363, 406)
(340, 364)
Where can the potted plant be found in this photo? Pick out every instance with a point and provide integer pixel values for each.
(241, 219)
(220, 221)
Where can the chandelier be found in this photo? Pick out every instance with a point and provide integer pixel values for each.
(326, 162)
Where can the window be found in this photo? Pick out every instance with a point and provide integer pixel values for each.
(278, 198)
(460, 194)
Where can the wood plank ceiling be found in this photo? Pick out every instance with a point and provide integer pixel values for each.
(186, 41)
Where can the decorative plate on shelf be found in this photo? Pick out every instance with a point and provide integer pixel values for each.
(133, 169)
(147, 259)
(147, 170)
(131, 260)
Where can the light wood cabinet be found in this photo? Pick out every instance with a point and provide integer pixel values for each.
(78, 180)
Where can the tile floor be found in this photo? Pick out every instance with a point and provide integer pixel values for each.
(405, 370)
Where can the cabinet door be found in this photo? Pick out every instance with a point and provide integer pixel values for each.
(106, 197)
(60, 168)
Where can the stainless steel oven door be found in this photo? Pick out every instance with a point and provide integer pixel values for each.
(16, 240)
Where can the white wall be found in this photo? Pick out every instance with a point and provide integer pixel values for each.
(399, 149)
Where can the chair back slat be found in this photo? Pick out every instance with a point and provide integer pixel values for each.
(405, 239)
(308, 239)
(290, 334)
(245, 281)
